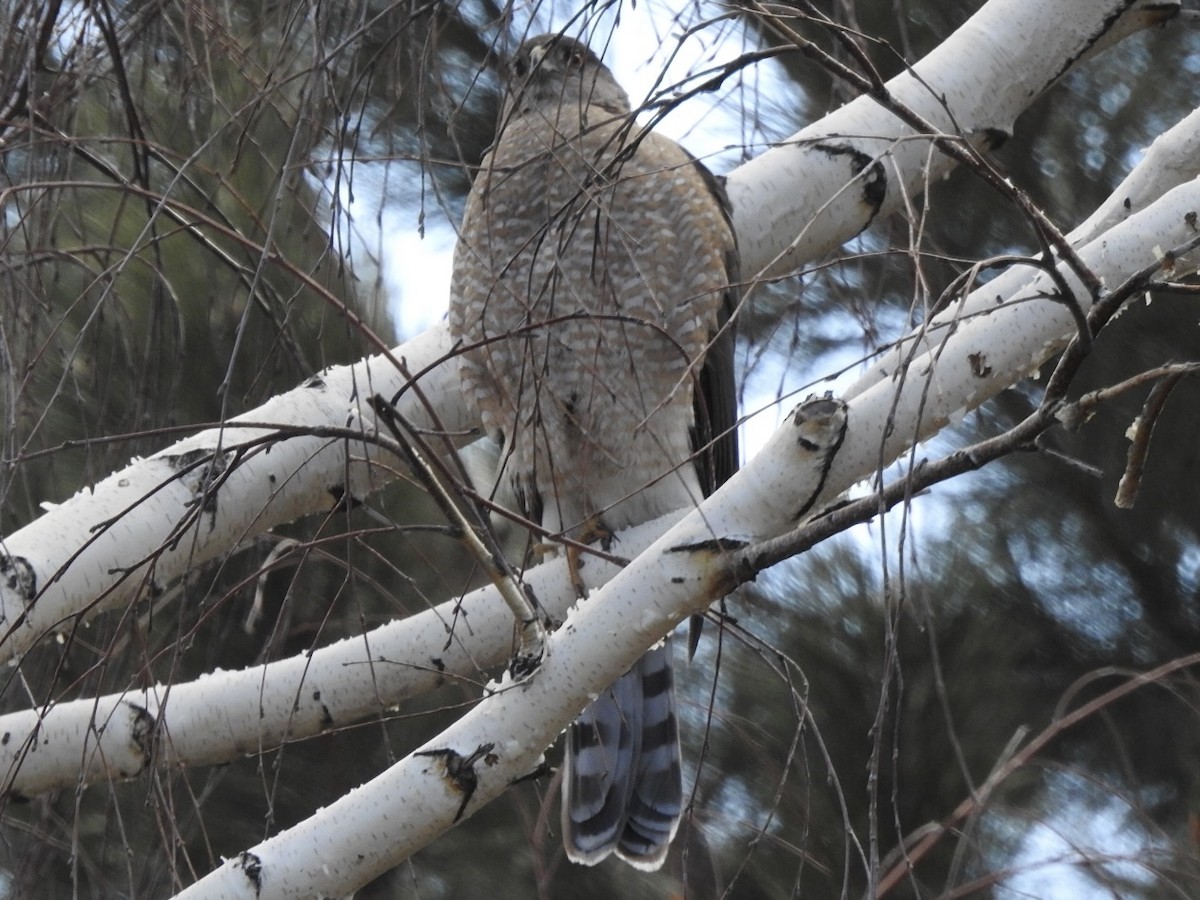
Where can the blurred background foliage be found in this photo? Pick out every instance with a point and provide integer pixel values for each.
(193, 193)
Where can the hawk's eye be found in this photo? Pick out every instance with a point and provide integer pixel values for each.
(520, 66)
(573, 56)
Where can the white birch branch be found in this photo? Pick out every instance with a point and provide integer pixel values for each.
(974, 85)
(140, 529)
(143, 527)
(985, 354)
(1172, 160)
(821, 450)
(223, 715)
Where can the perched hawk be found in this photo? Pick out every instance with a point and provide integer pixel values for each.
(593, 280)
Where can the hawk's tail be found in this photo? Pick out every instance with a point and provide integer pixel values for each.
(623, 789)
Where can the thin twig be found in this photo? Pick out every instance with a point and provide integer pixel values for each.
(1139, 447)
(1058, 726)
(476, 536)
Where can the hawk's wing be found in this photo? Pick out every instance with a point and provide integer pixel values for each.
(714, 436)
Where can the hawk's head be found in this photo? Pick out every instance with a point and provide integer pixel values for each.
(551, 70)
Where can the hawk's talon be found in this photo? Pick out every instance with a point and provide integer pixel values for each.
(574, 564)
(593, 530)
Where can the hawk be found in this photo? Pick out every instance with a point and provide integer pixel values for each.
(593, 281)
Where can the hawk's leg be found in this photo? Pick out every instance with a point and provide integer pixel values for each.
(593, 530)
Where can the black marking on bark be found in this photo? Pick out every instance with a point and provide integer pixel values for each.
(315, 381)
(819, 408)
(523, 665)
(979, 365)
(252, 865)
(143, 732)
(185, 462)
(459, 770)
(202, 471)
(712, 545)
(19, 576)
(874, 175)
